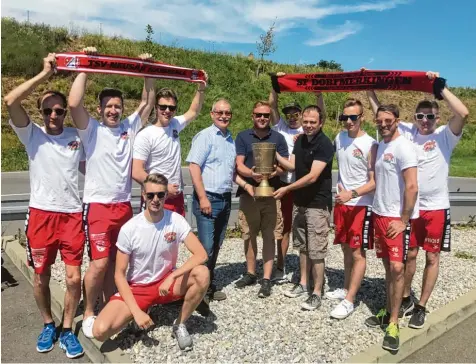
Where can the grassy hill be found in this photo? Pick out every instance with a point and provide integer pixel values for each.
(231, 76)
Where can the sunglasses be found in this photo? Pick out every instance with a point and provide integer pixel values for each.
(225, 113)
(260, 114)
(385, 121)
(292, 115)
(421, 116)
(48, 111)
(150, 195)
(344, 117)
(165, 107)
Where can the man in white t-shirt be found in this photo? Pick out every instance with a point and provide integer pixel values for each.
(54, 218)
(157, 148)
(148, 247)
(290, 127)
(395, 204)
(432, 230)
(108, 183)
(355, 152)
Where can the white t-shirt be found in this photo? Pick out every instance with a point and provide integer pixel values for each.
(434, 152)
(288, 133)
(53, 163)
(109, 160)
(152, 248)
(353, 158)
(160, 148)
(393, 158)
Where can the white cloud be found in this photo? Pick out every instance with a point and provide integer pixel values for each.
(239, 21)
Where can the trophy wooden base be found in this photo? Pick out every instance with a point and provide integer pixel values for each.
(264, 191)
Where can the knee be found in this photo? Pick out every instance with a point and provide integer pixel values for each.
(412, 254)
(397, 269)
(100, 330)
(432, 259)
(98, 267)
(73, 279)
(201, 276)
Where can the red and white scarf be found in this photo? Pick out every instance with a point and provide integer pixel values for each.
(81, 62)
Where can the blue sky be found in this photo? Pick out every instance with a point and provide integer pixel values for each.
(415, 35)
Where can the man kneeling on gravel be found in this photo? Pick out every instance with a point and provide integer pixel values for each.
(149, 245)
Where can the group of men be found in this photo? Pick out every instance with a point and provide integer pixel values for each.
(133, 259)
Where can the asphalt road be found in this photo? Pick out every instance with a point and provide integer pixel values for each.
(16, 185)
(455, 346)
(22, 323)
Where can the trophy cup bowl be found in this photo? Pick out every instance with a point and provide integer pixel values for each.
(265, 156)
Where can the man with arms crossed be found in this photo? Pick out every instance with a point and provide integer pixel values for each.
(107, 188)
(157, 148)
(432, 230)
(54, 218)
(290, 127)
(212, 164)
(149, 245)
(395, 203)
(355, 151)
(260, 214)
(312, 162)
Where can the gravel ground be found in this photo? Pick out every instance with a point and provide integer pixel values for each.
(245, 328)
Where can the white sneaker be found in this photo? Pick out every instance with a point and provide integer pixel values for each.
(87, 326)
(338, 294)
(342, 310)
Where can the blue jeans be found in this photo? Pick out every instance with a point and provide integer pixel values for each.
(212, 228)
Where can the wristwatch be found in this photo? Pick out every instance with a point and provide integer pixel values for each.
(354, 194)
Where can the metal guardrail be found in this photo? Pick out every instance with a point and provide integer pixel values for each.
(463, 204)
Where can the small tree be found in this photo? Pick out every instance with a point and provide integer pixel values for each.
(149, 43)
(266, 45)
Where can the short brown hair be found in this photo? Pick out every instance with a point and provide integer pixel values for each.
(110, 92)
(157, 178)
(261, 103)
(48, 93)
(352, 102)
(427, 104)
(309, 108)
(166, 93)
(391, 108)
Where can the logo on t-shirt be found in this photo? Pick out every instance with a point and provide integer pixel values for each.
(429, 146)
(388, 157)
(124, 135)
(171, 237)
(74, 145)
(357, 153)
(175, 133)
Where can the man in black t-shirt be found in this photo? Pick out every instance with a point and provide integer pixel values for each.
(258, 214)
(312, 162)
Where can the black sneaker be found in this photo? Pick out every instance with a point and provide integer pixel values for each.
(265, 290)
(391, 341)
(417, 321)
(248, 279)
(406, 308)
(214, 295)
(381, 319)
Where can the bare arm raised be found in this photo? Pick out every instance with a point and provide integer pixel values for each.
(197, 103)
(13, 100)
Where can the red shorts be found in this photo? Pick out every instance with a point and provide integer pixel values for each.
(396, 249)
(287, 211)
(147, 295)
(354, 226)
(102, 223)
(432, 231)
(47, 231)
(176, 204)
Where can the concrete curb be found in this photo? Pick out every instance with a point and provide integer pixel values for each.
(411, 340)
(98, 352)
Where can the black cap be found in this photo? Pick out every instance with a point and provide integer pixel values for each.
(290, 106)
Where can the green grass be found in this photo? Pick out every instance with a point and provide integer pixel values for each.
(231, 76)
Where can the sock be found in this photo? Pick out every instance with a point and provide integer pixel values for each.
(50, 323)
(65, 330)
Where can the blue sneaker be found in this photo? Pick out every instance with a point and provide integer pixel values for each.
(70, 344)
(47, 338)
